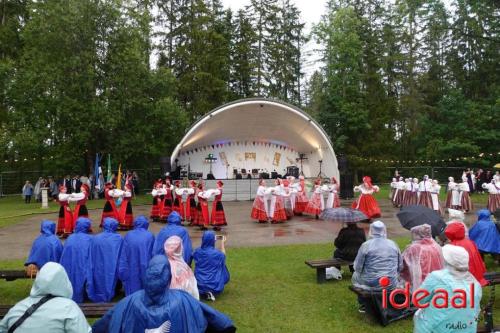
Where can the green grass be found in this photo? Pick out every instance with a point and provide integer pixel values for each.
(272, 290)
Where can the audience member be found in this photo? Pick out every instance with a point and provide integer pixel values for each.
(182, 275)
(348, 242)
(174, 228)
(27, 192)
(46, 247)
(485, 234)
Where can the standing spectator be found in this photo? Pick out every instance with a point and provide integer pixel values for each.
(67, 183)
(37, 192)
(135, 182)
(471, 179)
(53, 188)
(27, 191)
(76, 184)
(481, 179)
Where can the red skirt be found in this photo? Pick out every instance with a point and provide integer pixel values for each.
(314, 206)
(191, 210)
(80, 211)
(166, 208)
(466, 202)
(126, 215)
(155, 209)
(279, 210)
(368, 205)
(425, 199)
(259, 210)
(179, 207)
(410, 198)
(203, 218)
(301, 202)
(109, 210)
(65, 223)
(218, 216)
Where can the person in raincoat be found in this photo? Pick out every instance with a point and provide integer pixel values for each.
(58, 314)
(210, 266)
(102, 273)
(455, 232)
(157, 308)
(454, 276)
(182, 275)
(75, 257)
(421, 257)
(485, 234)
(377, 257)
(46, 247)
(174, 228)
(135, 255)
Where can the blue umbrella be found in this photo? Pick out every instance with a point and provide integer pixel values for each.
(345, 215)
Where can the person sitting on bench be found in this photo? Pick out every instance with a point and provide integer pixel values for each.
(348, 242)
(55, 311)
(377, 257)
(47, 247)
(421, 257)
(455, 276)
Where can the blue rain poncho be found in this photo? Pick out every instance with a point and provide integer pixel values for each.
(174, 228)
(47, 247)
(104, 254)
(485, 233)
(59, 314)
(136, 253)
(75, 257)
(455, 276)
(210, 266)
(377, 257)
(158, 307)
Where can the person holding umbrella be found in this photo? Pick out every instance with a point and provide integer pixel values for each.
(366, 202)
(348, 242)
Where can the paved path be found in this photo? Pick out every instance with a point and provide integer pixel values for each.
(15, 241)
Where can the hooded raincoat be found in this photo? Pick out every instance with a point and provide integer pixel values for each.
(421, 257)
(377, 257)
(454, 276)
(104, 254)
(210, 270)
(158, 307)
(135, 255)
(455, 232)
(485, 233)
(58, 315)
(174, 228)
(182, 275)
(75, 257)
(47, 247)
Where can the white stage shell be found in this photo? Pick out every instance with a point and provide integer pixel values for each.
(256, 133)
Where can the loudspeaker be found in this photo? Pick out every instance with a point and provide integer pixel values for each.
(238, 176)
(210, 176)
(165, 165)
(343, 164)
(274, 175)
(346, 186)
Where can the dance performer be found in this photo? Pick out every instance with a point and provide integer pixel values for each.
(399, 194)
(155, 209)
(191, 211)
(277, 209)
(81, 200)
(453, 195)
(168, 200)
(465, 200)
(65, 220)
(366, 202)
(301, 200)
(333, 194)
(218, 218)
(109, 209)
(178, 202)
(411, 196)
(424, 189)
(294, 189)
(435, 188)
(493, 193)
(260, 208)
(286, 194)
(203, 217)
(317, 203)
(392, 192)
(126, 216)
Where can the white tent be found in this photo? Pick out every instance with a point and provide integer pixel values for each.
(249, 134)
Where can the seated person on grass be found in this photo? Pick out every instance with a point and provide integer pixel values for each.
(348, 242)
(486, 235)
(46, 247)
(157, 308)
(55, 314)
(174, 228)
(210, 266)
(182, 275)
(377, 257)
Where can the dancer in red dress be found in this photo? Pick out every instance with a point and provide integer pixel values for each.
(277, 209)
(126, 215)
(155, 208)
(168, 200)
(65, 220)
(203, 218)
(109, 209)
(260, 208)
(191, 211)
(218, 216)
(301, 200)
(286, 194)
(333, 194)
(366, 202)
(178, 203)
(317, 202)
(81, 200)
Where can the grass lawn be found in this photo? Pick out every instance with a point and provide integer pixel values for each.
(272, 290)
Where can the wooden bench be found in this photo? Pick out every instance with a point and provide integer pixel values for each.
(323, 264)
(12, 275)
(90, 310)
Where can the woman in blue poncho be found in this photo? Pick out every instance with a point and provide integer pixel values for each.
(485, 234)
(157, 308)
(210, 266)
(47, 247)
(75, 257)
(102, 273)
(136, 253)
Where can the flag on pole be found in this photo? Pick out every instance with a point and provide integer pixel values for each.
(119, 178)
(97, 169)
(110, 176)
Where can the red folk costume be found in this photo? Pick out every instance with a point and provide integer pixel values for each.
(167, 201)
(191, 212)
(81, 200)
(277, 208)
(65, 219)
(155, 209)
(366, 202)
(109, 209)
(126, 215)
(260, 208)
(218, 217)
(317, 203)
(301, 200)
(178, 203)
(203, 217)
(333, 194)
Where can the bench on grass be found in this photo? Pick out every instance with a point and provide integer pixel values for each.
(12, 275)
(323, 264)
(90, 310)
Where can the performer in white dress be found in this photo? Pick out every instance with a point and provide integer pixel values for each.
(453, 195)
(317, 202)
(435, 196)
(366, 202)
(424, 188)
(399, 194)
(493, 193)
(277, 209)
(260, 208)
(393, 189)
(465, 200)
(333, 194)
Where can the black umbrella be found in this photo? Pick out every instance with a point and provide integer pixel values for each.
(413, 215)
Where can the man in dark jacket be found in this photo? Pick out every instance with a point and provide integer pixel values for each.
(348, 243)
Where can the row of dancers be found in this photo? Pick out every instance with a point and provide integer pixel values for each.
(190, 202)
(412, 192)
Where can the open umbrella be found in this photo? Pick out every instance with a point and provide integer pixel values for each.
(413, 215)
(347, 215)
